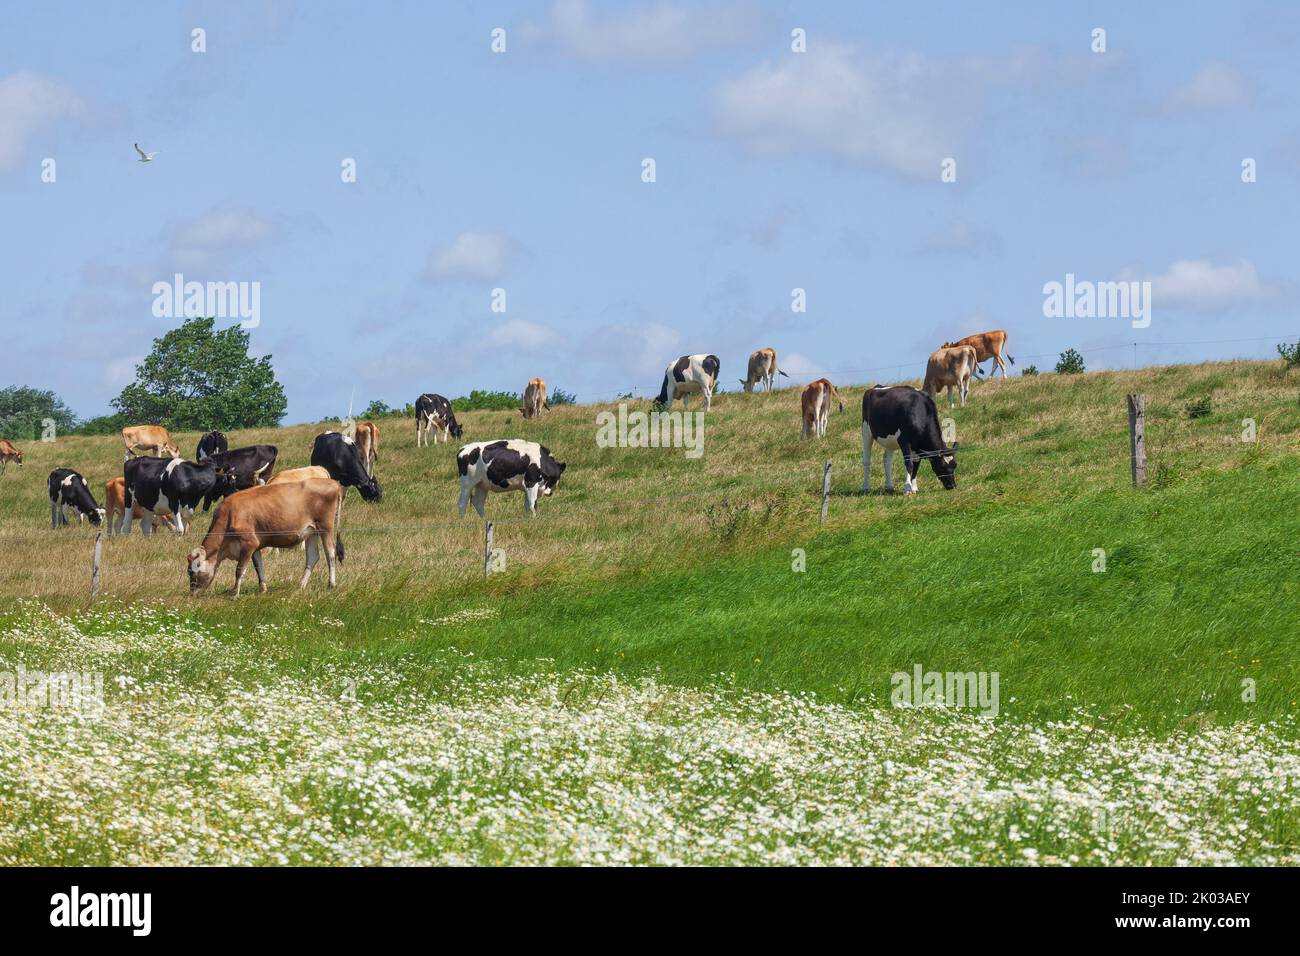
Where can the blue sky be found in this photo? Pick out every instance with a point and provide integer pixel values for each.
(522, 171)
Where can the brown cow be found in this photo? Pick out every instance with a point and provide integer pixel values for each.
(152, 438)
(115, 510)
(367, 439)
(986, 345)
(9, 453)
(816, 402)
(762, 370)
(534, 398)
(948, 367)
(269, 516)
(300, 474)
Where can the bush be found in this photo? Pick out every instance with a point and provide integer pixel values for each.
(1029, 370)
(1199, 408)
(487, 400)
(101, 425)
(24, 411)
(1290, 355)
(1071, 363)
(561, 397)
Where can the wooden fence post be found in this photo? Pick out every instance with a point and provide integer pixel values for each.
(826, 491)
(94, 568)
(487, 549)
(1137, 433)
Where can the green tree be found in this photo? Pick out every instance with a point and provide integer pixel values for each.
(199, 377)
(23, 411)
(1071, 363)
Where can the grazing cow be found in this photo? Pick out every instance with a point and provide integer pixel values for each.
(433, 411)
(367, 439)
(213, 443)
(9, 453)
(816, 401)
(762, 370)
(151, 438)
(299, 474)
(115, 509)
(534, 398)
(281, 515)
(507, 465)
(949, 367)
(900, 417)
(688, 375)
(987, 345)
(250, 466)
(175, 486)
(69, 490)
(338, 455)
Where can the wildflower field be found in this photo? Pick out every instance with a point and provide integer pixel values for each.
(651, 680)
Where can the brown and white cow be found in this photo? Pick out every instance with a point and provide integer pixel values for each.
(534, 398)
(115, 510)
(9, 453)
(300, 474)
(762, 370)
(816, 402)
(151, 438)
(367, 439)
(986, 345)
(279, 515)
(948, 367)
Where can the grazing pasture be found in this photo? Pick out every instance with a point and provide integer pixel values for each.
(650, 645)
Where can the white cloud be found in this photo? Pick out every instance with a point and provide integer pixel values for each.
(521, 334)
(901, 112)
(963, 239)
(1216, 86)
(1201, 285)
(642, 350)
(29, 105)
(471, 255)
(659, 32)
(802, 369)
(220, 230)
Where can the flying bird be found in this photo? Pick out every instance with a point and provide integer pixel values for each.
(145, 157)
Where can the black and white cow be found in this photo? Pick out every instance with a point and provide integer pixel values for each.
(688, 375)
(161, 485)
(338, 454)
(901, 418)
(432, 411)
(69, 490)
(213, 443)
(506, 465)
(250, 466)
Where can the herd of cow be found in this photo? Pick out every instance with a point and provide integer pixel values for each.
(302, 506)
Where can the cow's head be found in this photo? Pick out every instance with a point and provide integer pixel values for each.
(455, 429)
(172, 450)
(96, 516)
(201, 570)
(551, 471)
(749, 386)
(945, 466)
(370, 490)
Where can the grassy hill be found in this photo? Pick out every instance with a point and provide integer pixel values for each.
(659, 587)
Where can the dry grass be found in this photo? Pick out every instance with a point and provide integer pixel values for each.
(621, 510)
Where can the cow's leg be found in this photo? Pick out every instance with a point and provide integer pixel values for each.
(465, 487)
(889, 469)
(146, 523)
(479, 497)
(803, 429)
(313, 555)
(261, 572)
(530, 499)
(866, 457)
(54, 513)
(178, 524)
(708, 399)
(240, 568)
(331, 556)
(911, 461)
(965, 387)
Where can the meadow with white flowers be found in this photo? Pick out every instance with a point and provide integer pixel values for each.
(225, 745)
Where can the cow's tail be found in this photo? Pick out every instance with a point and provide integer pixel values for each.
(338, 546)
(663, 392)
(781, 371)
(1011, 358)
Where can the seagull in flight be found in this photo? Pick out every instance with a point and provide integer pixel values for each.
(145, 157)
